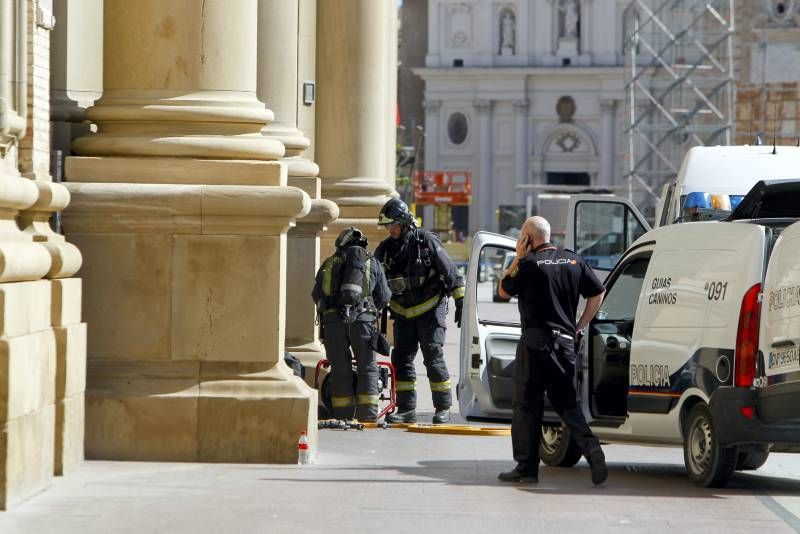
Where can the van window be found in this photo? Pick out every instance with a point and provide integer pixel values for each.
(623, 295)
(603, 231)
(492, 309)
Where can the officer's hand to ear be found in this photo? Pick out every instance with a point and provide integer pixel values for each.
(523, 245)
(459, 308)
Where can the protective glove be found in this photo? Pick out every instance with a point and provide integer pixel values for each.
(459, 308)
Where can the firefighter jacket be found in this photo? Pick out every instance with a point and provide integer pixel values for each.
(376, 292)
(419, 273)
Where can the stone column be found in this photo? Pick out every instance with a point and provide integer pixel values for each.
(353, 140)
(303, 259)
(433, 137)
(391, 66)
(41, 389)
(482, 215)
(279, 50)
(521, 150)
(76, 69)
(608, 142)
(181, 208)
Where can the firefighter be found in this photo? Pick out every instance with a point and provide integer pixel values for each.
(350, 292)
(421, 277)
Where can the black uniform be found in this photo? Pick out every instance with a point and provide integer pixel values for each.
(549, 282)
(421, 276)
(340, 336)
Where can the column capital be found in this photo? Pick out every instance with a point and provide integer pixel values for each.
(483, 105)
(432, 106)
(521, 104)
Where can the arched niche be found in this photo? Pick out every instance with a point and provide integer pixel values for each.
(569, 156)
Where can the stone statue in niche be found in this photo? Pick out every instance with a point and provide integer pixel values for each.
(508, 32)
(570, 19)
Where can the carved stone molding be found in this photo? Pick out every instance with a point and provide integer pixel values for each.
(432, 106)
(608, 105)
(521, 105)
(483, 105)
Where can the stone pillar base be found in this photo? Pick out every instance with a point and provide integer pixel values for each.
(309, 355)
(185, 300)
(197, 412)
(27, 391)
(70, 387)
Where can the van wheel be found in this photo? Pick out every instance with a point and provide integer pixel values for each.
(556, 447)
(708, 464)
(752, 460)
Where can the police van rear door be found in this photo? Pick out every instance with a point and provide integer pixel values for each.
(779, 334)
(601, 228)
(490, 331)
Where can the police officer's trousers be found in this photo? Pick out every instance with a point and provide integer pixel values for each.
(426, 332)
(339, 338)
(545, 363)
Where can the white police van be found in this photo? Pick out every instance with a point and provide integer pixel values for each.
(695, 345)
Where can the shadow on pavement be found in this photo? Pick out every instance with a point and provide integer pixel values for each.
(646, 480)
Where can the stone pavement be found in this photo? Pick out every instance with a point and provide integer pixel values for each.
(396, 481)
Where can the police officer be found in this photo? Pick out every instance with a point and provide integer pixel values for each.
(549, 282)
(347, 324)
(421, 276)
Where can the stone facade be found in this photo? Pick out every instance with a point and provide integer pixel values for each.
(524, 92)
(767, 65)
(197, 211)
(42, 338)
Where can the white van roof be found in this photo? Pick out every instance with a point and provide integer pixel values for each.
(734, 170)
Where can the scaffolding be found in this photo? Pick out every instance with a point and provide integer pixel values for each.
(679, 82)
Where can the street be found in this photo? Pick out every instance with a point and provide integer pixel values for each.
(396, 481)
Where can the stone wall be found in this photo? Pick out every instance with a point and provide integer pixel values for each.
(767, 62)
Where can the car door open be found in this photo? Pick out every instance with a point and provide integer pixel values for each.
(601, 228)
(490, 332)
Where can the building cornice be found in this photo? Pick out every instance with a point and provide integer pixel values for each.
(429, 73)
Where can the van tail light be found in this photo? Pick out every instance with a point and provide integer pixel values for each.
(744, 367)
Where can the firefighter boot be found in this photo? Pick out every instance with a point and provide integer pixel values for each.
(441, 417)
(409, 416)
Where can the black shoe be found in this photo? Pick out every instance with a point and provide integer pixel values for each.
(409, 416)
(441, 417)
(597, 463)
(515, 475)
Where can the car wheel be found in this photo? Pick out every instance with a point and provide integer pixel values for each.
(752, 459)
(707, 464)
(557, 448)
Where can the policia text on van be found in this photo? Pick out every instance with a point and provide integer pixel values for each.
(695, 345)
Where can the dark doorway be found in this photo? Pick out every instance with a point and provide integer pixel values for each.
(568, 178)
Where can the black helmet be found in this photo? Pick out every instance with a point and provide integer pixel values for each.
(351, 236)
(395, 211)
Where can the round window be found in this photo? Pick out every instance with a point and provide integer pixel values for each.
(457, 128)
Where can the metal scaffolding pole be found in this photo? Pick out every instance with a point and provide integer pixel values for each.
(679, 85)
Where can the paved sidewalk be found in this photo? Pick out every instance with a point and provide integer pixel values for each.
(395, 481)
